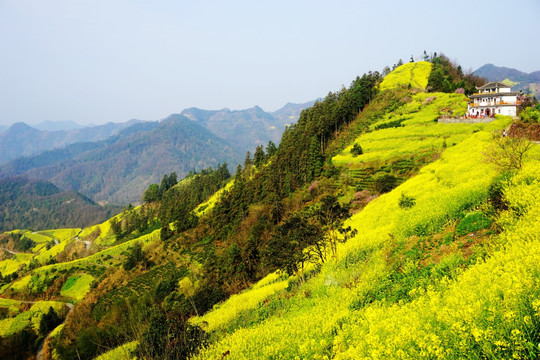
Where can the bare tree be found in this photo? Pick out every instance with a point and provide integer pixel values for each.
(507, 152)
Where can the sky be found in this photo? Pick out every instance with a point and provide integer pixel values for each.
(96, 61)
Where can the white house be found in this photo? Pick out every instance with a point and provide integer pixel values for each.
(491, 99)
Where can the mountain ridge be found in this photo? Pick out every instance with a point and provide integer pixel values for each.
(39, 205)
(247, 128)
(118, 169)
(499, 73)
(21, 139)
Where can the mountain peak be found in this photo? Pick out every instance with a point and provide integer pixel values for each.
(57, 125)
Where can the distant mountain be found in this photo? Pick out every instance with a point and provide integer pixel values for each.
(524, 81)
(290, 113)
(246, 128)
(20, 139)
(57, 125)
(39, 205)
(119, 169)
(2, 128)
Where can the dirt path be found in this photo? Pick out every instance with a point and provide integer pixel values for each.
(39, 352)
(11, 252)
(86, 242)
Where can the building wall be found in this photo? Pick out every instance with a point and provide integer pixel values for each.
(499, 110)
(510, 99)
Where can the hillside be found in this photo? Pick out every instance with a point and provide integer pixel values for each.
(119, 169)
(38, 205)
(21, 139)
(521, 80)
(371, 232)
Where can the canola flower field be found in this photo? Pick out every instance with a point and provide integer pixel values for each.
(49, 243)
(415, 130)
(38, 276)
(489, 309)
(30, 317)
(415, 73)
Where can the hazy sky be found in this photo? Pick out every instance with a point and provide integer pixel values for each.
(94, 61)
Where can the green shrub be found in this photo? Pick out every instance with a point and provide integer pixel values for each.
(356, 150)
(406, 202)
(495, 191)
(385, 183)
(473, 222)
(390, 124)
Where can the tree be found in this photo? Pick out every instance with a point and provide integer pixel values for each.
(286, 249)
(116, 227)
(315, 160)
(49, 321)
(356, 150)
(331, 215)
(152, 193)
(436, 80)
(270, 149)
(135, 255)
(507, 153)
(248, 162)
(170, 337)
(259, 157)
(385, 183)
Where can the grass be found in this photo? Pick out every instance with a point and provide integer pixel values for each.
(40, 253)
(9, 266)
(37, 237)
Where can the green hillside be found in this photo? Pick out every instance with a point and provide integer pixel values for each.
(38, 205)
(371, 232)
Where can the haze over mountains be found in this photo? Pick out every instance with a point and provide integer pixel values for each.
(247, 128)
(58, 125)
(117, 170)
(523, 80)
(114, 163)
(21, 139)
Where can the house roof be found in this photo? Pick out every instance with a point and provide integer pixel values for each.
(492, 85)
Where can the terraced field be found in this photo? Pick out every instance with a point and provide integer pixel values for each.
(140, 285)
